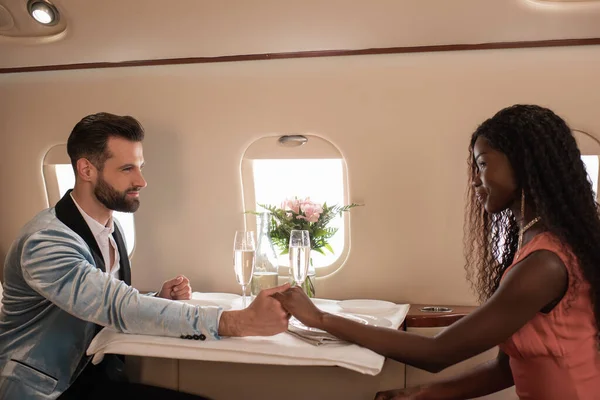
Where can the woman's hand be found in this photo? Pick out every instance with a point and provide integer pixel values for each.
(297, 303)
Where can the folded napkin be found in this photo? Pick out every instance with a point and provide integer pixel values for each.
(315, 337)
(318, 337)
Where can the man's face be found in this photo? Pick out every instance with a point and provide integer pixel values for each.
(119, 183)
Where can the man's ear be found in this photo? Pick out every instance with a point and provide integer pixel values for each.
(86, 171)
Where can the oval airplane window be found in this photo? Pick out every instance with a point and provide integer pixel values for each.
(589, 146)
(283, 167)
(59, 177)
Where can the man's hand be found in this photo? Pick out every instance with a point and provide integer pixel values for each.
(176, 289)
(264, 317)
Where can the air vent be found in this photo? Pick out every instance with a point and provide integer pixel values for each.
(6, 20)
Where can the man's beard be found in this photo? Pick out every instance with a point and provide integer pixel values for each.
(115, 200)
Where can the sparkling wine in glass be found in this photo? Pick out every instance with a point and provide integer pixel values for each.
(299, 255)
(244, 255)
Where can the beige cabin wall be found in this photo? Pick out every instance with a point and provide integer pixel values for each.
(402, 122)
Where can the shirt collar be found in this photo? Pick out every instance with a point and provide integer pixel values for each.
(96, 227)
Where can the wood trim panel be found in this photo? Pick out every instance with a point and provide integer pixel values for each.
(307, 54)
(420, 319)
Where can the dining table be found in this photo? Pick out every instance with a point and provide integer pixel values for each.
(261, 364)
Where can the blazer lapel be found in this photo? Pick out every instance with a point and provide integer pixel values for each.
(68, 214)
(124, 267)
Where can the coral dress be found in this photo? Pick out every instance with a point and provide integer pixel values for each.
(555, 356)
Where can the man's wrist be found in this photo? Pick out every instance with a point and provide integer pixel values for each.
(230, 323)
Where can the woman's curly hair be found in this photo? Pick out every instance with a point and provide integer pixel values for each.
(548, 167)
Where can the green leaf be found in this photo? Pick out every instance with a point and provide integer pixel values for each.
(328, 247)
(320, 232)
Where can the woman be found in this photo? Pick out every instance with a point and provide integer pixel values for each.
(533, 255)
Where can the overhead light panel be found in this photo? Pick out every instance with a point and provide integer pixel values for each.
(43, 12)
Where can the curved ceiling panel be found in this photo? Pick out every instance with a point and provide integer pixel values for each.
(116, 30)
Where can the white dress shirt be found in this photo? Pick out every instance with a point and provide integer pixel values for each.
(105, 240)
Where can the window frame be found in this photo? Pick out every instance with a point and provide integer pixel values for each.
(317, 147)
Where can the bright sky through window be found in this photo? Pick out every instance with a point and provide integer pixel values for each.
(592, 165)
(320, 179)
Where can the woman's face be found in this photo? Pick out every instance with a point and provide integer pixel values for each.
(494, 182)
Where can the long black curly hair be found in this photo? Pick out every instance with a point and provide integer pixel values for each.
(548, 167)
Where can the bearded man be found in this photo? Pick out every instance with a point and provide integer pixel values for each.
(67, 275)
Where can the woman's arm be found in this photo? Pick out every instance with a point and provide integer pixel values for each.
(490, 377)
(528, 287)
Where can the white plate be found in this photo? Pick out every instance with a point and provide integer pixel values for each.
(218, 297)
(367, 306)
(325, 305)
(363, 319)
(205, 303)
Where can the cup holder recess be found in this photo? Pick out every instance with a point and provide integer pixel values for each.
(436, 309)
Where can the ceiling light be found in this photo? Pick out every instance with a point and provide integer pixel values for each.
(43, 12)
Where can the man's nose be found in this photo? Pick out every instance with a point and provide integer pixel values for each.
(140, 182)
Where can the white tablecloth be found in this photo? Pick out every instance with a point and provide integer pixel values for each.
(281, 349)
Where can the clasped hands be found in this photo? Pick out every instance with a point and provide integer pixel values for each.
(289, 301)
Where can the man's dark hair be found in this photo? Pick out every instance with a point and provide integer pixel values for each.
(90, 136)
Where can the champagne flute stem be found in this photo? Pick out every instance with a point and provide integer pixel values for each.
(243, 296)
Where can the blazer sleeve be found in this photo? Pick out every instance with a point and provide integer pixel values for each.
(53, 263)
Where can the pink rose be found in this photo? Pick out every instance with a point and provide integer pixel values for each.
(312, 211)
(292, 205)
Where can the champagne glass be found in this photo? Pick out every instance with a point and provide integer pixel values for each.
(244, 255)
(299, 255)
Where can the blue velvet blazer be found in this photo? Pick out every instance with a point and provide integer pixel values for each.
(56, 297)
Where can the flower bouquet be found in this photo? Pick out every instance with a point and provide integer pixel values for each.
(304, 214)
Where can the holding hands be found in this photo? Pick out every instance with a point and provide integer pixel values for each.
(297, 303)
(264, 316)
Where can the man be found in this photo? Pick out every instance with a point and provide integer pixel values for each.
(67, 275)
